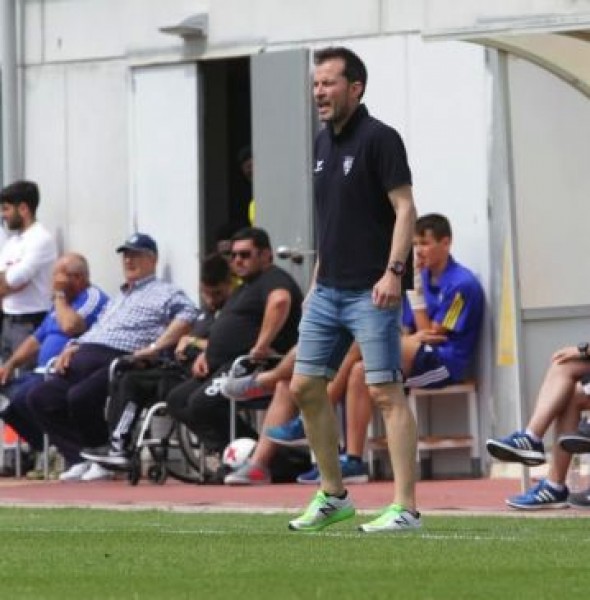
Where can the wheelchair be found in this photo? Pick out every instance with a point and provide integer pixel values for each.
(173, 449)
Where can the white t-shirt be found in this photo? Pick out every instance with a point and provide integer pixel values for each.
(27, 259)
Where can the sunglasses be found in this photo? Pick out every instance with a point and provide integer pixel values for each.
(243, 254)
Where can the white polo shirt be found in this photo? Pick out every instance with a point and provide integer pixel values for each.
(27, 260)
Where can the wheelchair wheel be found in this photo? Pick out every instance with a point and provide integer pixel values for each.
(134, 473)
(169, 454)
(157, 473)
(206, 463)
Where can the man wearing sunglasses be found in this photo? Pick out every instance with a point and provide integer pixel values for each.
(259, 319)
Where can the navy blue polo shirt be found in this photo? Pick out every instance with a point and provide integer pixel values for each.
(353, 172)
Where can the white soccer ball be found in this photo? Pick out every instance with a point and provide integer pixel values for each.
(236, 453)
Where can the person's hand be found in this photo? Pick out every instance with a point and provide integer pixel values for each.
(429, 336)
(6, 371)
(62, 362)
(183, 343)
(387, 291)
(60, 282)
(565, 354)
(149, 352)
(260, 351)
(200, 367)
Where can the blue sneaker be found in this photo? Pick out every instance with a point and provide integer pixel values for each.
(353, 471)
(540, 496)
(517, 447)
(291, 433)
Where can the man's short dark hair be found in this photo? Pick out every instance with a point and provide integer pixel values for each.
(258, 236)
(244, 154)
(435, 222)
(215, 270)
(23, 191)
(354, 67)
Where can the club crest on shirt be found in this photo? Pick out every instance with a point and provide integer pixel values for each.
(319, 166)
(347, 164)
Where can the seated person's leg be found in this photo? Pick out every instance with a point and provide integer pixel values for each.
(241, 388)
(257, 469)
(201, 406)
(131, 392)
(359, 411)
(86, 402)
(135, 390)
(17, 413)
(48, 404)
(560, 400)
(426, 369)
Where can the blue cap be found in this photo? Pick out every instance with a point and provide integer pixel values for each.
(140, 242)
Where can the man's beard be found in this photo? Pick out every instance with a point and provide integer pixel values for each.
(15, 223)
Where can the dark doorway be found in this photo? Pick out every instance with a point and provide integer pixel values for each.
(227, 129)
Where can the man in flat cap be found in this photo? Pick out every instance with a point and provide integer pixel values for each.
(147, 316)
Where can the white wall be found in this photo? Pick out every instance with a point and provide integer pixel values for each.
(76, 148)
(469, 16)
(551, 149)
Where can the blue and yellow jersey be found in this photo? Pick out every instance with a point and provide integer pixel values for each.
(456, 303)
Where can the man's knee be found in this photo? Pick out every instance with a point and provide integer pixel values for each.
(387, 395)
(306, 390)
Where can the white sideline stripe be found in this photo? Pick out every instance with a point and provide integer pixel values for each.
(274, 532)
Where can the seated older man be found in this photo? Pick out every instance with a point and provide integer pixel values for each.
(76, 306)
(146, 317)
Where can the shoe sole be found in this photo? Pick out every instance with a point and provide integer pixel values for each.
(367, 529)
(506, 453)
(341, 515)
(300, 443)
(583, 504)
(547, 506)
(109, 461)
(575, 444)
(244, 483)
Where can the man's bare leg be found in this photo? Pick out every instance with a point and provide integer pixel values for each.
(400, 427)
(321, 428)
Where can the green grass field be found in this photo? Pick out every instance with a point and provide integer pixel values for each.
(96, 554)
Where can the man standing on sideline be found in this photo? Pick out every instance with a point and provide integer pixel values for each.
(365, 223)
(26, 262)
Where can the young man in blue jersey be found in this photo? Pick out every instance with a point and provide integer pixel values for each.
(443, 314)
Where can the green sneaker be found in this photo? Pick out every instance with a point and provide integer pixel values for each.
(394, 518)
(322, 511)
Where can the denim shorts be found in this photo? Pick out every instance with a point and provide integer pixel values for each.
(332, 319)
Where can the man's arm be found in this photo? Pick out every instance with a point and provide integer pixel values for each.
(68, 319)
(169, 338)
(27, 350)
(278, 305)
(6, 289)
(387, 291)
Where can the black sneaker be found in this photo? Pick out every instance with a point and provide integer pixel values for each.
(580, 499)
(578, 442)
